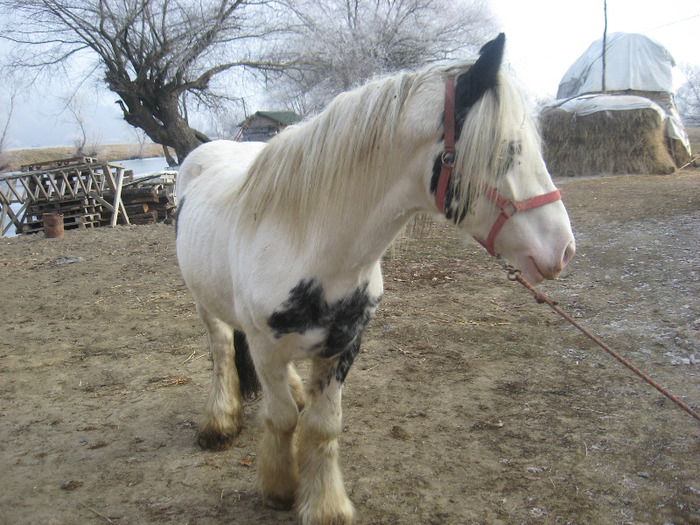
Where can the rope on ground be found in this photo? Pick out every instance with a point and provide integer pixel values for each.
(515, 275)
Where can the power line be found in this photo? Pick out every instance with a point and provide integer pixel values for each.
(674, 23)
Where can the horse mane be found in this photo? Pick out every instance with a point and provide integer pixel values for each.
(331, 162)
(338, 161)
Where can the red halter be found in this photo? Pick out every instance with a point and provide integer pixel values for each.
(508, 208)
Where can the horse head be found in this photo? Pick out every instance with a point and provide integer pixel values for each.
(491, 178)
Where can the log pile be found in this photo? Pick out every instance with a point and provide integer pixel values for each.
(150, 199)
(149, 203)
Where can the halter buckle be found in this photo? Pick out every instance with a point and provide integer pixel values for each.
(509, 209)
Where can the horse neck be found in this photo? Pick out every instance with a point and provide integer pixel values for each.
(360, 239)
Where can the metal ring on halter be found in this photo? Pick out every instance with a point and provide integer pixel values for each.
(448, 159)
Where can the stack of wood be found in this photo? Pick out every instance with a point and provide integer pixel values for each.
(151, 199)
(73, 188)
(81, 212)
(83, 190)
(149, 203)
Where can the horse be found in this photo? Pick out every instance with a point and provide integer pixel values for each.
(280, 245)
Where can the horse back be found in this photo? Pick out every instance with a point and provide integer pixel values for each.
(219, 156)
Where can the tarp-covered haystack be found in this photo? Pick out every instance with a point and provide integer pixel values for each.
(630, 125)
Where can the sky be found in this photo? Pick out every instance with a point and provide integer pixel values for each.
(544, 37)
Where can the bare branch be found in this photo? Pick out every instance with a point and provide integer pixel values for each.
(152, 53)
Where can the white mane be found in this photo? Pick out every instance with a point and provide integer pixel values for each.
(339, 161)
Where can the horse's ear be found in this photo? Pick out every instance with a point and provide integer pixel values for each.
(482, 76)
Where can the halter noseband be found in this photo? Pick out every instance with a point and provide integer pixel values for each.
(508, 208)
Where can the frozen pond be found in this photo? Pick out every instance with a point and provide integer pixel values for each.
(142, 167)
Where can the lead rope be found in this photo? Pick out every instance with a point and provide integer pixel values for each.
(515, 275)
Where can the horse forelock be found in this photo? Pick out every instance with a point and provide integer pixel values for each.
(495, 127)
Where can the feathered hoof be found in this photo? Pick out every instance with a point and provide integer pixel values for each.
(210, 440)
(344, 516)
(278, 503)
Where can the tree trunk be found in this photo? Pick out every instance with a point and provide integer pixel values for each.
(157, 113)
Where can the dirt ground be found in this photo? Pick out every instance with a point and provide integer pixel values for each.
(469, 403)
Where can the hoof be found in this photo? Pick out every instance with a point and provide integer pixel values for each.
(344, 515)
(340, 519)
(278, 503)
(215, 440)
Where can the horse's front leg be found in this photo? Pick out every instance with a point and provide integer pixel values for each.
(322, 499)
(278, 473)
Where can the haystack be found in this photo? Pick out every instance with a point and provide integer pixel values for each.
(631, 138)
(627, 124)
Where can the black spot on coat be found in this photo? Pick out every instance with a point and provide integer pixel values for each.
(343, 320)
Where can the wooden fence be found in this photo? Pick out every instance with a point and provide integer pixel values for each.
(88, 193)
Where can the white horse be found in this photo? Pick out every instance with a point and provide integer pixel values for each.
(280, 245)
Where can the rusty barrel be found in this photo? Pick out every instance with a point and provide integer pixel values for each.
(53, 225)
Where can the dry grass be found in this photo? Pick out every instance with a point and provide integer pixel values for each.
(14, 159)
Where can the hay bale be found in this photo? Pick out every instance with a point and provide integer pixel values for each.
(622, 141)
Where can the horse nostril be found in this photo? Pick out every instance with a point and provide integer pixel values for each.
(568, 253)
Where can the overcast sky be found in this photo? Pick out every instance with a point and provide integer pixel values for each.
(544, 37)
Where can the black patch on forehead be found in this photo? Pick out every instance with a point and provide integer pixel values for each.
(342, 321)
(515, 149)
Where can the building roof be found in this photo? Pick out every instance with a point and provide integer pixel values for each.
(281, 117)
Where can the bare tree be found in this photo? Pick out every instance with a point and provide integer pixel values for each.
(688, 95)
(338, 44)
(156, 55)
(7, 102)
(76, 107)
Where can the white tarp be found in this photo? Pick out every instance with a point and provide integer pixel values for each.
(633, 61)
(589, 104)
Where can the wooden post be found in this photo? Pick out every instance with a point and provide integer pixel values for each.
(118, 204)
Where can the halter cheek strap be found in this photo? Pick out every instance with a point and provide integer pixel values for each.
(508, 208)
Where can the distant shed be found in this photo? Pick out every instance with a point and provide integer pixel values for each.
(263, 125)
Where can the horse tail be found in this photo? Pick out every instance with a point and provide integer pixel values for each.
(247, 377)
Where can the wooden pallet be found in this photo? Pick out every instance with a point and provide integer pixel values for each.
(52, 164)
(84, 212)
(74, 187)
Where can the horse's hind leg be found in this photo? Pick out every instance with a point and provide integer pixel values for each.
(222, 417)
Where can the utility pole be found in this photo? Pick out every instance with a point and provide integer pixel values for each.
(605, 41)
